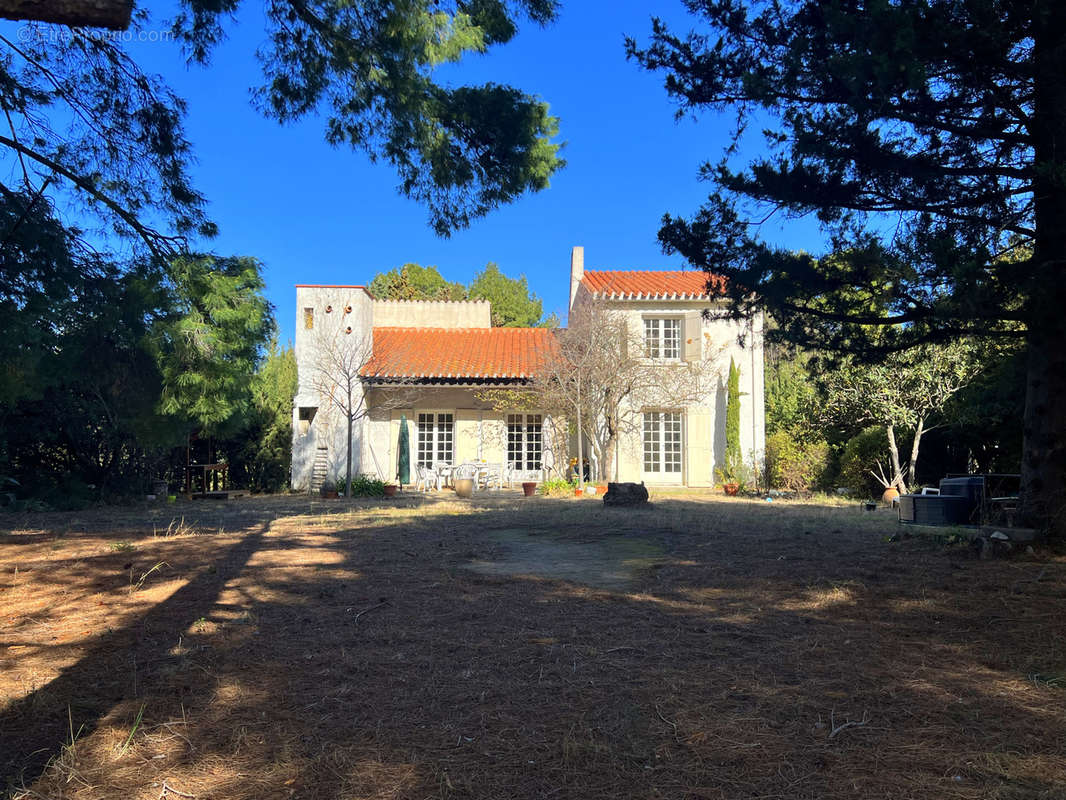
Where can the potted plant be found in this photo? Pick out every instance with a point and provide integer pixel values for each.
(730, 480)
(733, 480)
(391, 489)
(892, 485)
(529, 488)
(327, 492)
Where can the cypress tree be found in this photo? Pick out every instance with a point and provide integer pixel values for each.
(732, 424)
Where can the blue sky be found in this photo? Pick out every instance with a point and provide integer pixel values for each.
(315, 214)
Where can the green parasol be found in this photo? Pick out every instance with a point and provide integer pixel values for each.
(403, 456)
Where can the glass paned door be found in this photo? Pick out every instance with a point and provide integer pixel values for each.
(436, 438)
(524, 441)
(662, 446)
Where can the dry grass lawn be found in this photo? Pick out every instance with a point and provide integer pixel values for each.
(509, 648)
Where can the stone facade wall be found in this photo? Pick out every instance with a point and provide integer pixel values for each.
(431, 314)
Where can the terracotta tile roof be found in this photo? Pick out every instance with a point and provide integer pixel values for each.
(462, 353)
(645, 284)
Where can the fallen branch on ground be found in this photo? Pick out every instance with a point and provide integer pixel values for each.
(368, 610)
(852, 724)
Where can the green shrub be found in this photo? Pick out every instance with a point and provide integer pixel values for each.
(861, 454)
(364, 486)
(794, 464)
(557, 487)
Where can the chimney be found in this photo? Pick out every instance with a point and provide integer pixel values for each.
(577, 271)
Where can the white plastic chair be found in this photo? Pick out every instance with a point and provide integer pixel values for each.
(445, 473)
(492, 475)
(426, 477)
(466, 470)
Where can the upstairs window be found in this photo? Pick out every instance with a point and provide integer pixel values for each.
(662, 338)
(309, 318)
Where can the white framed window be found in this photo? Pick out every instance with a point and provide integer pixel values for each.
(662, 338)
(524, 441)
(662, 443)
(435, 438)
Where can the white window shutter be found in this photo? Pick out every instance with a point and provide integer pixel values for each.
(692, 335)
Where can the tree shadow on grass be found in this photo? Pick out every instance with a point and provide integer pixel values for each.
(33, 727)
(362, 659)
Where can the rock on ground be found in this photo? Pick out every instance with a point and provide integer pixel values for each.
(625, 494)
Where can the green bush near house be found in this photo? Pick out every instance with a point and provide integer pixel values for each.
(364, 486)
(557, 487)
(795, 464)
(861, 455)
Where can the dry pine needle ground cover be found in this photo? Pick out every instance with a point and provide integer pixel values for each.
(288, 648)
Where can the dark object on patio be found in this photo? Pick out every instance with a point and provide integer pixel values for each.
(932, 509)
(971, 487)
(965, 500)
(625, 494)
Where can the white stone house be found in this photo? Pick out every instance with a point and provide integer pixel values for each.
(431, 362)
(671, 444)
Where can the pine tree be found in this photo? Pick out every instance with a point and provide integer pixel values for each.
(926, 140)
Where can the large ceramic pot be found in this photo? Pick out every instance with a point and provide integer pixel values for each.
(891, 493)
(529, 488)
(464, 487)
(731, 489)
(390, 489)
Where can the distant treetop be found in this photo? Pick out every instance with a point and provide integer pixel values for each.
(513, 304)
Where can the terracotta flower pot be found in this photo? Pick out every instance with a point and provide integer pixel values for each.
(464, 487)
(731, 489)
(391, 489)
(529, 488)
(891, 493)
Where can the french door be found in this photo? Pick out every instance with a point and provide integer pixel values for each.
(662, 446)
(436, 438)
(524, 442)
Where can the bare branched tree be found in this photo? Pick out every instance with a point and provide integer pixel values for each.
(342, 357)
